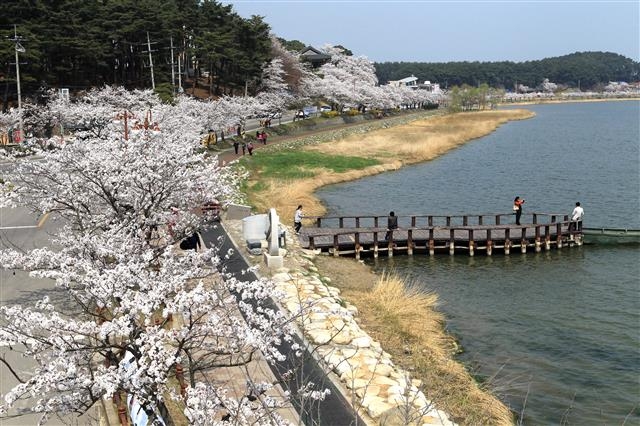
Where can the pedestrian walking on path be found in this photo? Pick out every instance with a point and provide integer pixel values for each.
(297, 219)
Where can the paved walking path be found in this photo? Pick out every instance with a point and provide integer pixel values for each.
(338, 350)
(335, 410)
(227, 155)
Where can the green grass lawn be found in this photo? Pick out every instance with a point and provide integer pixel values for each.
(301, 164)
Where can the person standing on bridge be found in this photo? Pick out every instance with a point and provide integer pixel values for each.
(517, 209)
(576, 218)
(297, 219)
(392, 223)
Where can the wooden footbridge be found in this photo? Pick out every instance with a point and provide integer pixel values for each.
(430, 234)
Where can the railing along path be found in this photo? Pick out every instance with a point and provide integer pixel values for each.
(365, 234)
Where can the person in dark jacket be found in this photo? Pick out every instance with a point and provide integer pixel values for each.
(192, 242)
(392, 223)
(517, 208)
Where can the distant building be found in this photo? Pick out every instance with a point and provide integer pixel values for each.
(407, 82)
(412, 82)
(315, 57)
(430, 87)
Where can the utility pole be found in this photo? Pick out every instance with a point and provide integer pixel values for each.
(153, 82)
(180, 89)
(173, 75)
(18, 49)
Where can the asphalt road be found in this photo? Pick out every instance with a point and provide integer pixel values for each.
(22, 230)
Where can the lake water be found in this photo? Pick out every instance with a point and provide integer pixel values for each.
(556, 333)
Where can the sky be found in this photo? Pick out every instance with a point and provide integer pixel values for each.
(444, 31)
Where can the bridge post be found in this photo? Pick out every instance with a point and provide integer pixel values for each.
(430, 220)
(471, 244)
(448, 220)
(465, 220)
(538, 243)
(357, 221)
(432, 243)
(357, 245)
(312, 245)
(547, 238)
(341, 222)
(497, 219)
(336, 246)
(523, 241)
(390, 244)
(375, 245)
(452, 241)
(507, 241)
(480, 220)
(559, 235)
(489, 243)
(410, 242)
(319, 222)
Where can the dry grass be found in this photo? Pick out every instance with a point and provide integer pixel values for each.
(398, 304)
(424, 139)
(419, 141)
(406, 319)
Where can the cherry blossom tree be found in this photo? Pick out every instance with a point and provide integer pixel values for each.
(351, 80)
(294, 70)
(548, 86)
(343, 80)
(8, 120)
(140, 311)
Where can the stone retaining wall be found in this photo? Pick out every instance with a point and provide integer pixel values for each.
(367, 374)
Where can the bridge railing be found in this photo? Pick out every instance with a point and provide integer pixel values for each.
(413, 221)
(536, 234)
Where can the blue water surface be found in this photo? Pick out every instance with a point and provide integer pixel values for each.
(555, 334)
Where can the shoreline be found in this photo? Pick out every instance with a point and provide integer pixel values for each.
(393, 146)
(419, 140)
(566, 101)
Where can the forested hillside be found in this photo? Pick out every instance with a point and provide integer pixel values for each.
(80, 44)
(585, 70)
(83, 44)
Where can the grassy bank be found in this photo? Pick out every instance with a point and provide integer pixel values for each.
(393, 312)
(410, 326)
(286, 176)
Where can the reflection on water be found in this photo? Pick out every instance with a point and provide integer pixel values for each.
(558, 329)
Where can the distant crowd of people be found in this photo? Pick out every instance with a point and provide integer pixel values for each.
(247, 145)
